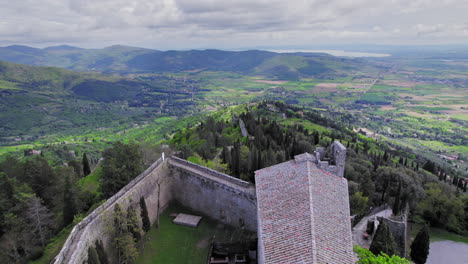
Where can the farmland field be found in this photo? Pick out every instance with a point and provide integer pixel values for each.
(417, 102)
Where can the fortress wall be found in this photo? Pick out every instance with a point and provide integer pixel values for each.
(93, 227)
(214, 194)
(219, 196)
(399, 232)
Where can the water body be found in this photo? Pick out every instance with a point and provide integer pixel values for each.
(448, 252)
(339, 53)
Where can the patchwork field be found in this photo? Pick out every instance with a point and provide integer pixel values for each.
(413, 101)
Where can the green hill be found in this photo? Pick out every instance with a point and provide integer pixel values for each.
(35, 101)
(123, 59)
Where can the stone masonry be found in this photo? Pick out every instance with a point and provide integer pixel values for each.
(398, 226)
(220, 196)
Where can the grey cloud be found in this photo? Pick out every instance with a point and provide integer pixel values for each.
(194, 23)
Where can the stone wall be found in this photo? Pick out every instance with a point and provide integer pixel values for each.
(398, 227)
(222, 197)
(93, 227)
(336, 163)
(214, 194)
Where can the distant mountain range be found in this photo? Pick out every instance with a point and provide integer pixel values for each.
(123, 59)
(35, 100)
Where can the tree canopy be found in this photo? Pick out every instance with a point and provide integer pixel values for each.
(367, 257)
(122, 162)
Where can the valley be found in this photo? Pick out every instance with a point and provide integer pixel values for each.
(402, 118)
(417, 105)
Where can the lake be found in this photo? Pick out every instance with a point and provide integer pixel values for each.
(338, 53)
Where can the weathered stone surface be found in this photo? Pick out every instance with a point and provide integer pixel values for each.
(187, 220)
(399, 228)
(222, 197)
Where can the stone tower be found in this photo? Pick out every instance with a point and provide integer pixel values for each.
(338, 157)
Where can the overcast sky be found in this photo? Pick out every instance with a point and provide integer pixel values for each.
(231, 24)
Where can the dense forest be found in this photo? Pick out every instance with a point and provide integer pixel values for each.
(41, 200)
(261, 135)
(45, 193)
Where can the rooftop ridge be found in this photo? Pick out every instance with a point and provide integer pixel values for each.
(312, 220)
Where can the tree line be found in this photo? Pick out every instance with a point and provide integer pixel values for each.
(39, 199)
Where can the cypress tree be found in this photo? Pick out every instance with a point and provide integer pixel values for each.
(420, 246)
(316, 137)
(93, 257)
(132, 223)
(397, 205)
(86, 167)
(383, 241)
(144, 215)
(101, 253)
(69, 202)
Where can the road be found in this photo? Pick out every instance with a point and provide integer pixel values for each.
(360, 228)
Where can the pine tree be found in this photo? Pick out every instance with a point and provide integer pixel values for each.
(420, 246)
(144, 215)
(86, 167)
(383, 241)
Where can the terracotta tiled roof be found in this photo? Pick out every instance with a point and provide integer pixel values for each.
(303, 214)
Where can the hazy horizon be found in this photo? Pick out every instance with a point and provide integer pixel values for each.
(184, 24)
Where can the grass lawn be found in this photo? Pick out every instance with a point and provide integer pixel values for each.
(177, 244)
(438, 234)
(91, 182)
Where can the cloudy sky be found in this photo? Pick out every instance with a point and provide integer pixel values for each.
(231, 24)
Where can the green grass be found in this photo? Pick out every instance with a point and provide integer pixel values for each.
(15, 148)
(440, 234)
(307, 124)
(442, 146)
(91, 182)
(177, 244)
(437, 234)
(427, 108)
(462, 117)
